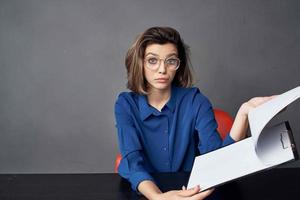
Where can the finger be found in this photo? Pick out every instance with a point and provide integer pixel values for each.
(256, 101)
(202, 195)
(189, 192)
(273, 96)
(266, 99)
(183, 187)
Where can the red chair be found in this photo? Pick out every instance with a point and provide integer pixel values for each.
(117, 162)
(224, 121)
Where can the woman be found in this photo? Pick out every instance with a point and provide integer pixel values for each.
(165, 122)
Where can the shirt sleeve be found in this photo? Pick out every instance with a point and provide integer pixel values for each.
(132, 163)
(228, 140)
(206, 126)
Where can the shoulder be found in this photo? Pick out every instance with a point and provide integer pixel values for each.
(123, 96)
(196, 99)
(126, 100)
(191, 94)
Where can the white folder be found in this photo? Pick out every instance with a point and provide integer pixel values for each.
(266, 148)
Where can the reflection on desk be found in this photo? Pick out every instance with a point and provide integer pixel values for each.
(272, 184)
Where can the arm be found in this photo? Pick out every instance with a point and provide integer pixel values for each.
(240, 124)
(149, 189)
(206, 126)
(132, 166)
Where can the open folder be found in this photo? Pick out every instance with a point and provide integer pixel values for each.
(267, 147)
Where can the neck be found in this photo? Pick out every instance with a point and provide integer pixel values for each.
(158, 98)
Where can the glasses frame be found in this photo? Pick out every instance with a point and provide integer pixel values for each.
(159, 63)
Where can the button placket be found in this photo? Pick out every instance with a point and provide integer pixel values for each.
(166, 147)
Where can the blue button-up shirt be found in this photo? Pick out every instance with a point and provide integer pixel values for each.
(166, 140)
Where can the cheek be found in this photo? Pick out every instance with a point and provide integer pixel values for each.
(148, 74)
(172, 74)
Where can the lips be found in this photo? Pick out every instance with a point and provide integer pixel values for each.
(161, 80)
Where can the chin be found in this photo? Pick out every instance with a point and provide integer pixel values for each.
(161, 86)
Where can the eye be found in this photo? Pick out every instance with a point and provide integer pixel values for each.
(172, 61)
(152, 61)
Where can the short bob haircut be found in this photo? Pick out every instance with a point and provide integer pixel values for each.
(135, 58)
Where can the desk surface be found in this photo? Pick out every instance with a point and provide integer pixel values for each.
(272, 184)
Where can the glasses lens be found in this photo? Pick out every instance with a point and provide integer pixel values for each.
(152, 63)
(173, 63)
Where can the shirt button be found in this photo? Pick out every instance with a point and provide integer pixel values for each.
(165, 148)
(166, 163)
(165, 131)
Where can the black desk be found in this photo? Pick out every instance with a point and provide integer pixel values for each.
(272, 184)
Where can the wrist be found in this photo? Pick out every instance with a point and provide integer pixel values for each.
(149, 190)
(157, 196)
(243, 111)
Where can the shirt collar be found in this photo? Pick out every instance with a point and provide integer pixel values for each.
(172, 101)
(146, 110)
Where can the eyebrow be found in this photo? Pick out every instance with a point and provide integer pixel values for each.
(169, 55)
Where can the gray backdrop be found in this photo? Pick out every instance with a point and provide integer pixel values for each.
(62, 67)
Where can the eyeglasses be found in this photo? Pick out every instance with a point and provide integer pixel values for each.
(153, 63)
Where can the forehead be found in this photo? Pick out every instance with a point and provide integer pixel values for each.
(162, 50)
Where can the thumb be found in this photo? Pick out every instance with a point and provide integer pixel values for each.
(190, 192)
(202, 195)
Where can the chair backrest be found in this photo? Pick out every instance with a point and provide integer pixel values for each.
(224, 121)
(117, 162)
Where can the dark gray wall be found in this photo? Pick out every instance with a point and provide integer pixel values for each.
(61, 68)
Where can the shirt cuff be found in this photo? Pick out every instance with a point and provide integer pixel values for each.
(136, 178)
(228, 140)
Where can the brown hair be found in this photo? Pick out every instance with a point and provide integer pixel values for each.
(135, 56)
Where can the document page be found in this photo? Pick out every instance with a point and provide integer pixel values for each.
(261, 115)
(267, 147)
(241, 159)
(275, 145)
(224, 164)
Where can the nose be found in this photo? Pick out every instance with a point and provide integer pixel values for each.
(162, 68)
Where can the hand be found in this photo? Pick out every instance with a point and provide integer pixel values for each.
(253, 103)
(240, 125)
(191, 194)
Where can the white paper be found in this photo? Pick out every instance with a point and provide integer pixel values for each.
(261, 115)
(266, 148)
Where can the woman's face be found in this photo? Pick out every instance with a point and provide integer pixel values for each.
(159, 65)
